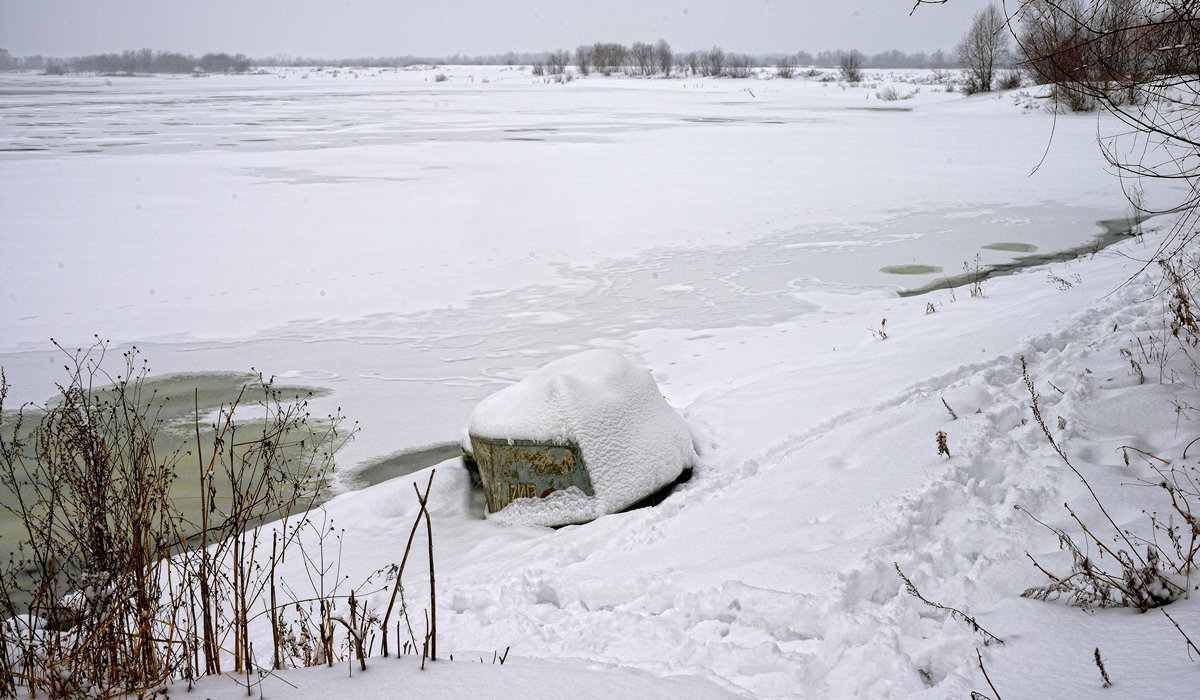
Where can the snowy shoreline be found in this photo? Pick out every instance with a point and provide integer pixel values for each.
(771, 572)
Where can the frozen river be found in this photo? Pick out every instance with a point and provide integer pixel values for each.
(415, 244)
(411, 245)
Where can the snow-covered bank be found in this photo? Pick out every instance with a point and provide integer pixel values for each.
(731, 243)
(772, 572)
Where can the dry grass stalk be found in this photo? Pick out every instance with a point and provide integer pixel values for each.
(1191, 645)
(116, 588)
(1103, 671)
(955, 613)
(407, 548)
(1141, 582)
(943, 448)
(979, 659)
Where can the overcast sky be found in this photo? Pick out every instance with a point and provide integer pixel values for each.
(355, 28)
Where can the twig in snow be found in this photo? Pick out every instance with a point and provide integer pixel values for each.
(1039, 566)
(1189, 445)
(425, 646)
(1146, 454)
(408, 548)
(1100, 665)
(1190, 643)
(988, 637)
(432, 636)
(358, 638)
(953, 415)
(1037, 415)
(985, 675)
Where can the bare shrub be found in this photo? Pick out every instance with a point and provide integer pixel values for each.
(641, 59)
(583, 60)
(664, 57)
(1159, 578)
(557, 62)
(1009, 80)
(1112, 54)
(983, 47)
(607, 58)
(1074, 99)
(785, 67)
(739, 66)
(850, 66)
(975, 276)
(889, 93)
(714, 62)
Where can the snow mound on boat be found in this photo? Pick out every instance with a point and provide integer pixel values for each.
(632, 443)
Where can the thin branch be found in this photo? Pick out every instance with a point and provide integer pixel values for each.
(412, 533)
(954, 612)
(926, 2)
(1190, 643)
(1037, 415)
(985, 674)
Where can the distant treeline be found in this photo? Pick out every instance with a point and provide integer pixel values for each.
(143, 61)
(638, 59)
(823, 59)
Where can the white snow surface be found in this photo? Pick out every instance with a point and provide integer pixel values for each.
(632, 442)
(416, 245)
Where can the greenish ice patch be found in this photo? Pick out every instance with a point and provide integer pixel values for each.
(913, 269)
(401, 464)
(1012, 247)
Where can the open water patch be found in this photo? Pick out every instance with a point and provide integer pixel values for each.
(400, 463)
(1012, 247)
(910, 269)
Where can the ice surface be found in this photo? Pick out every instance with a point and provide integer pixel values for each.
(384, 234)
(633, 443)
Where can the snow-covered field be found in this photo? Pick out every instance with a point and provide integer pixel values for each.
(416, 245)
